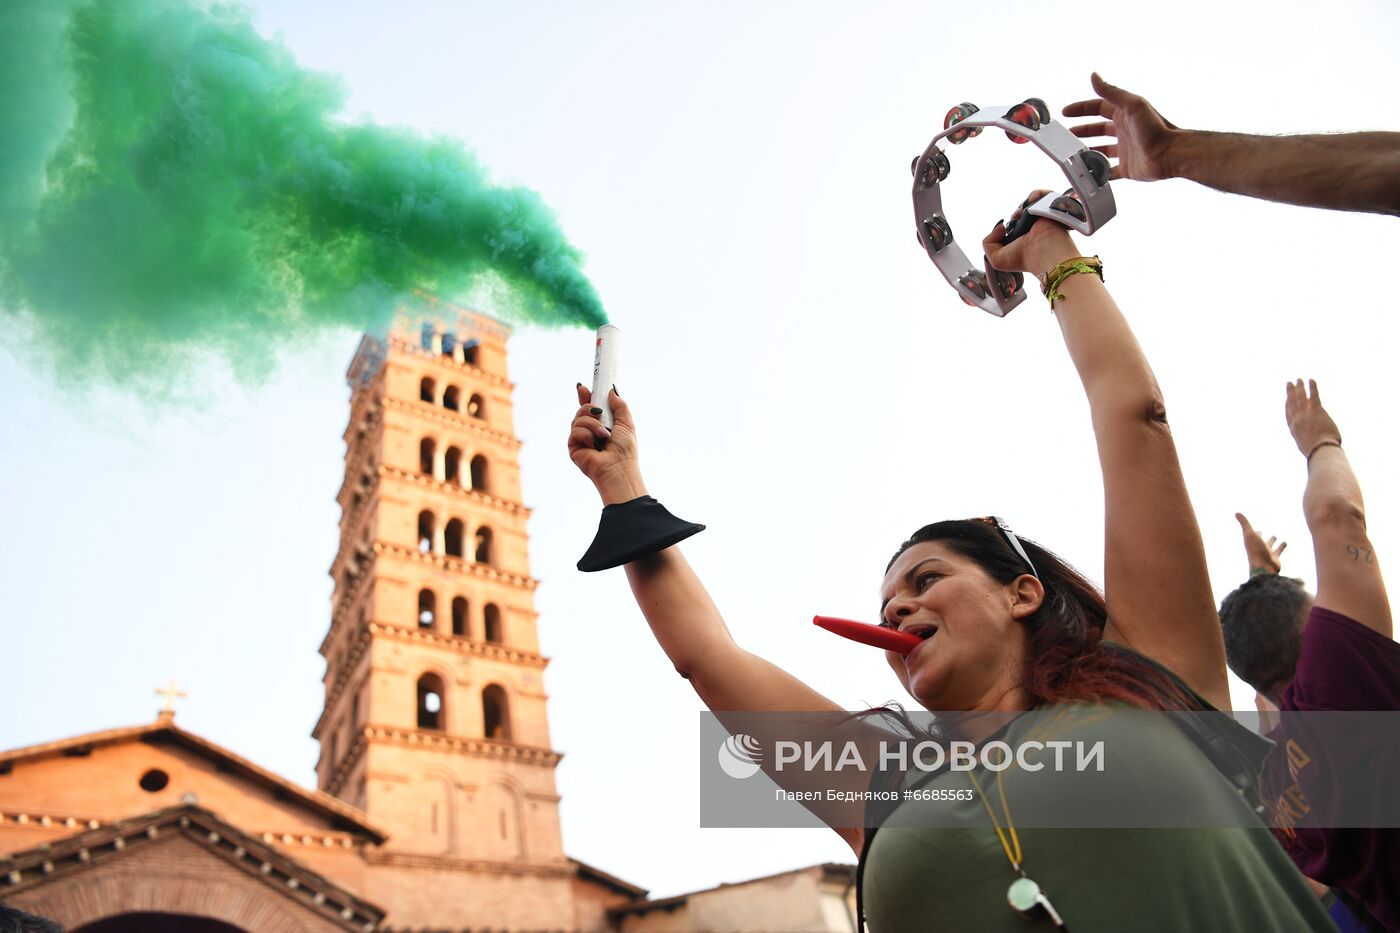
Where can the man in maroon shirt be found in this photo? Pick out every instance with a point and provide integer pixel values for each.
(1332, 652)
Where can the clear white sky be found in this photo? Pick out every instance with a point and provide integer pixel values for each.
(804, 381)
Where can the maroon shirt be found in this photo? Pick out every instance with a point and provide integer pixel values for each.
(1343, 666)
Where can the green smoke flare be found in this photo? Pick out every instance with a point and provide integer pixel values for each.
(172, 183)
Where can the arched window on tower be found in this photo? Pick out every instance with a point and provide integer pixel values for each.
(452, 466)
(491, 617)
(449, 343)
(427, 608)
(432, 712)
(452, 398)
(476, 407)
(427, 453)
(483, 545)
(452, 539)
(427, 337)
(495, 709)
(469, 353)
(426, 526)
(427, 390)
(459, 616)
(479, 473)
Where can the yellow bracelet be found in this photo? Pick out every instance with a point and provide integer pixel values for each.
(1050, 282)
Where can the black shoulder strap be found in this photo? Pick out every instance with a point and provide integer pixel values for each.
(860, 877)
(1238, 753)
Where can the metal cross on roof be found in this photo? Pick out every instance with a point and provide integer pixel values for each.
(170, 693)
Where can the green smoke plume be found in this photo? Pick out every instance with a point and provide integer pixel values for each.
(172, 183)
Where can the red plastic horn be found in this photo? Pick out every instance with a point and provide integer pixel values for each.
(867, 634)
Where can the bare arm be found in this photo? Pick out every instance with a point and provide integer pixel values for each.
(1348, 572)
(681, 614)
(690, 629)
(1155, 579)
(1346, 171)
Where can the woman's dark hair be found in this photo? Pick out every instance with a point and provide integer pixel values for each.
(14, 920)
(1066, 659)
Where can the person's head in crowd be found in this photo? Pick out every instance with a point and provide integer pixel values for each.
(14, 920)
(1014, 624)
(1263, 624)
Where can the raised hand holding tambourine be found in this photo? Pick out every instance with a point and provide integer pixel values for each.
(1084, 207)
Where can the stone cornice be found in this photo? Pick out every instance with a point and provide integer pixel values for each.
(477, 748)
(356, 467)
(562, 869)
(454, 420)
(347, 666)
(456, 489)
(350, 546)
(443, 562)
(406, 347)
(438, 741)
(67, 823)
(59, 822)
(355, 454)
(341, 770)
(347, 595)
(460, 645)
(455, 643)
(472, 569)
(21, 871)
(357, 517)
(312, 840)
(364, 406)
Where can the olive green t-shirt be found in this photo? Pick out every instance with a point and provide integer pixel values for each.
(1225, 872)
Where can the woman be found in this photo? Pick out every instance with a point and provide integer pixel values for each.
(1010, 628)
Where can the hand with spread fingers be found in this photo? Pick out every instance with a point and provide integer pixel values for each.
(1264, 556)
(1337, 171)
(1308, 421)
(1140, 134)
(607, 458)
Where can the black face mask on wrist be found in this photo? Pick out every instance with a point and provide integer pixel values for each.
(631, 530)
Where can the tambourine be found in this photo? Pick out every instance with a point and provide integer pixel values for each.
(1085, 206)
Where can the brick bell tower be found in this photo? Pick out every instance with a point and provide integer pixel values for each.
(434, 721)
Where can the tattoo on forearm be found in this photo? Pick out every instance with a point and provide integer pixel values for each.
(1360, 553)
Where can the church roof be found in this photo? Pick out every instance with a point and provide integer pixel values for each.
(590, 873)
(340, 814)
(830, 871)
(30, 868)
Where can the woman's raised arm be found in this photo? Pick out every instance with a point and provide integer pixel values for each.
(686, 622)
(680, 612)
(1155, 578)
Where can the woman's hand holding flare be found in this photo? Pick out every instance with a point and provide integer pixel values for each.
(607, 458)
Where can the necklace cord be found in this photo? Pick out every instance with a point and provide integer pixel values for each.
(1012, 848)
